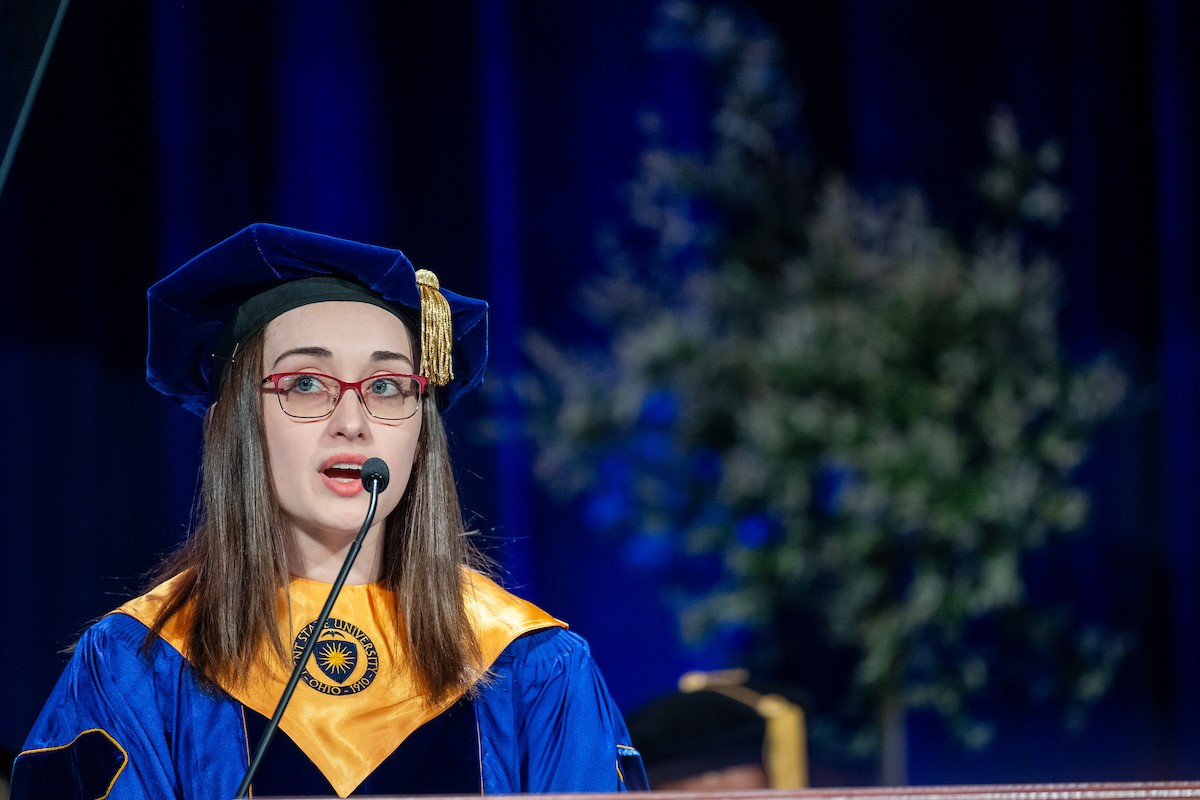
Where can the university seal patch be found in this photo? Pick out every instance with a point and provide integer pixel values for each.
(344, 660)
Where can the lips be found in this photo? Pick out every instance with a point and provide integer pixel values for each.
(342, 473)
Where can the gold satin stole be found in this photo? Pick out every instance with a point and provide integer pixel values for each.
(356, 701)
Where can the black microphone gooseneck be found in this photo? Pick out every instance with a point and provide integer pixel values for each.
(375, 478)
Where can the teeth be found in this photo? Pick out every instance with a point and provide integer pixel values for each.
(346, 466)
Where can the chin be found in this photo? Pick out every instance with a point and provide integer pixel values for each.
(335, 530)
(344, 524)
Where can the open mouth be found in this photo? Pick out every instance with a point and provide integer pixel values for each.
(343, 472)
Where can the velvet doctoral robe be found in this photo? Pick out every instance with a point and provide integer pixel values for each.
(127, 724)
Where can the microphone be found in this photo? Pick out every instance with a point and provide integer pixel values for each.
(375, 477)
(375, 472)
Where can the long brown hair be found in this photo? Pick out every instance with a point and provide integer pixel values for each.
(233, 566)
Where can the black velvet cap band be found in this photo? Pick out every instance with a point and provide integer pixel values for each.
(259, 310)
(685, 734)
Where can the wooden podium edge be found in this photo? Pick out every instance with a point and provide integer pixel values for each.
(1158, 790)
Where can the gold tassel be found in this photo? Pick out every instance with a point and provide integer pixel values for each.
(784, 750)
(436, 330)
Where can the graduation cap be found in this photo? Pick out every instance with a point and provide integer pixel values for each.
(716, 721)
(202, 312)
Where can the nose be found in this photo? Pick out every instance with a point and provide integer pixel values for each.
(349, 416)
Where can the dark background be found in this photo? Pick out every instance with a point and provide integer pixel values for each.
(490, 141)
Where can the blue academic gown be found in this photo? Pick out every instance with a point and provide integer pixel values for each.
(127, 725)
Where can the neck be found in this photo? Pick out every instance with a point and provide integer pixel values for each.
(319, 555)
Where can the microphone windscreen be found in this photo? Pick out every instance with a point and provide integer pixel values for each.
(375, 471)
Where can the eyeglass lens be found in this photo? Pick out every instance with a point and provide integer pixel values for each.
(391, 397)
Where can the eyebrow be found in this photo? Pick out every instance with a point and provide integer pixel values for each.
(388, 355)
(323, 352)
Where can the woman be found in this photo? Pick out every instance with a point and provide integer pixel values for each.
(308, 355)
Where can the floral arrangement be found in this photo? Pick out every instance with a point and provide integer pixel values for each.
(836, 433)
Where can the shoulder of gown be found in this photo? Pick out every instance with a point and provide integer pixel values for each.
(549, 724)
(125, 721)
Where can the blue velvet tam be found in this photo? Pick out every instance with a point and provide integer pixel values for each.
(201, 312)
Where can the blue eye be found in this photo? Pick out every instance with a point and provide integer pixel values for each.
(303, 383)
(386, 387)
(308, 383)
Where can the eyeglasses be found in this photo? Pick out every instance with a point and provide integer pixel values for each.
(311, 395)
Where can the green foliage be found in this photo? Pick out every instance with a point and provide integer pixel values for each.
(839, 414)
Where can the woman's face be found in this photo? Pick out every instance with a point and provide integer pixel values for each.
(323, 503)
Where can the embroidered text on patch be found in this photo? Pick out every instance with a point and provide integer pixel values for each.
(344, 661)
